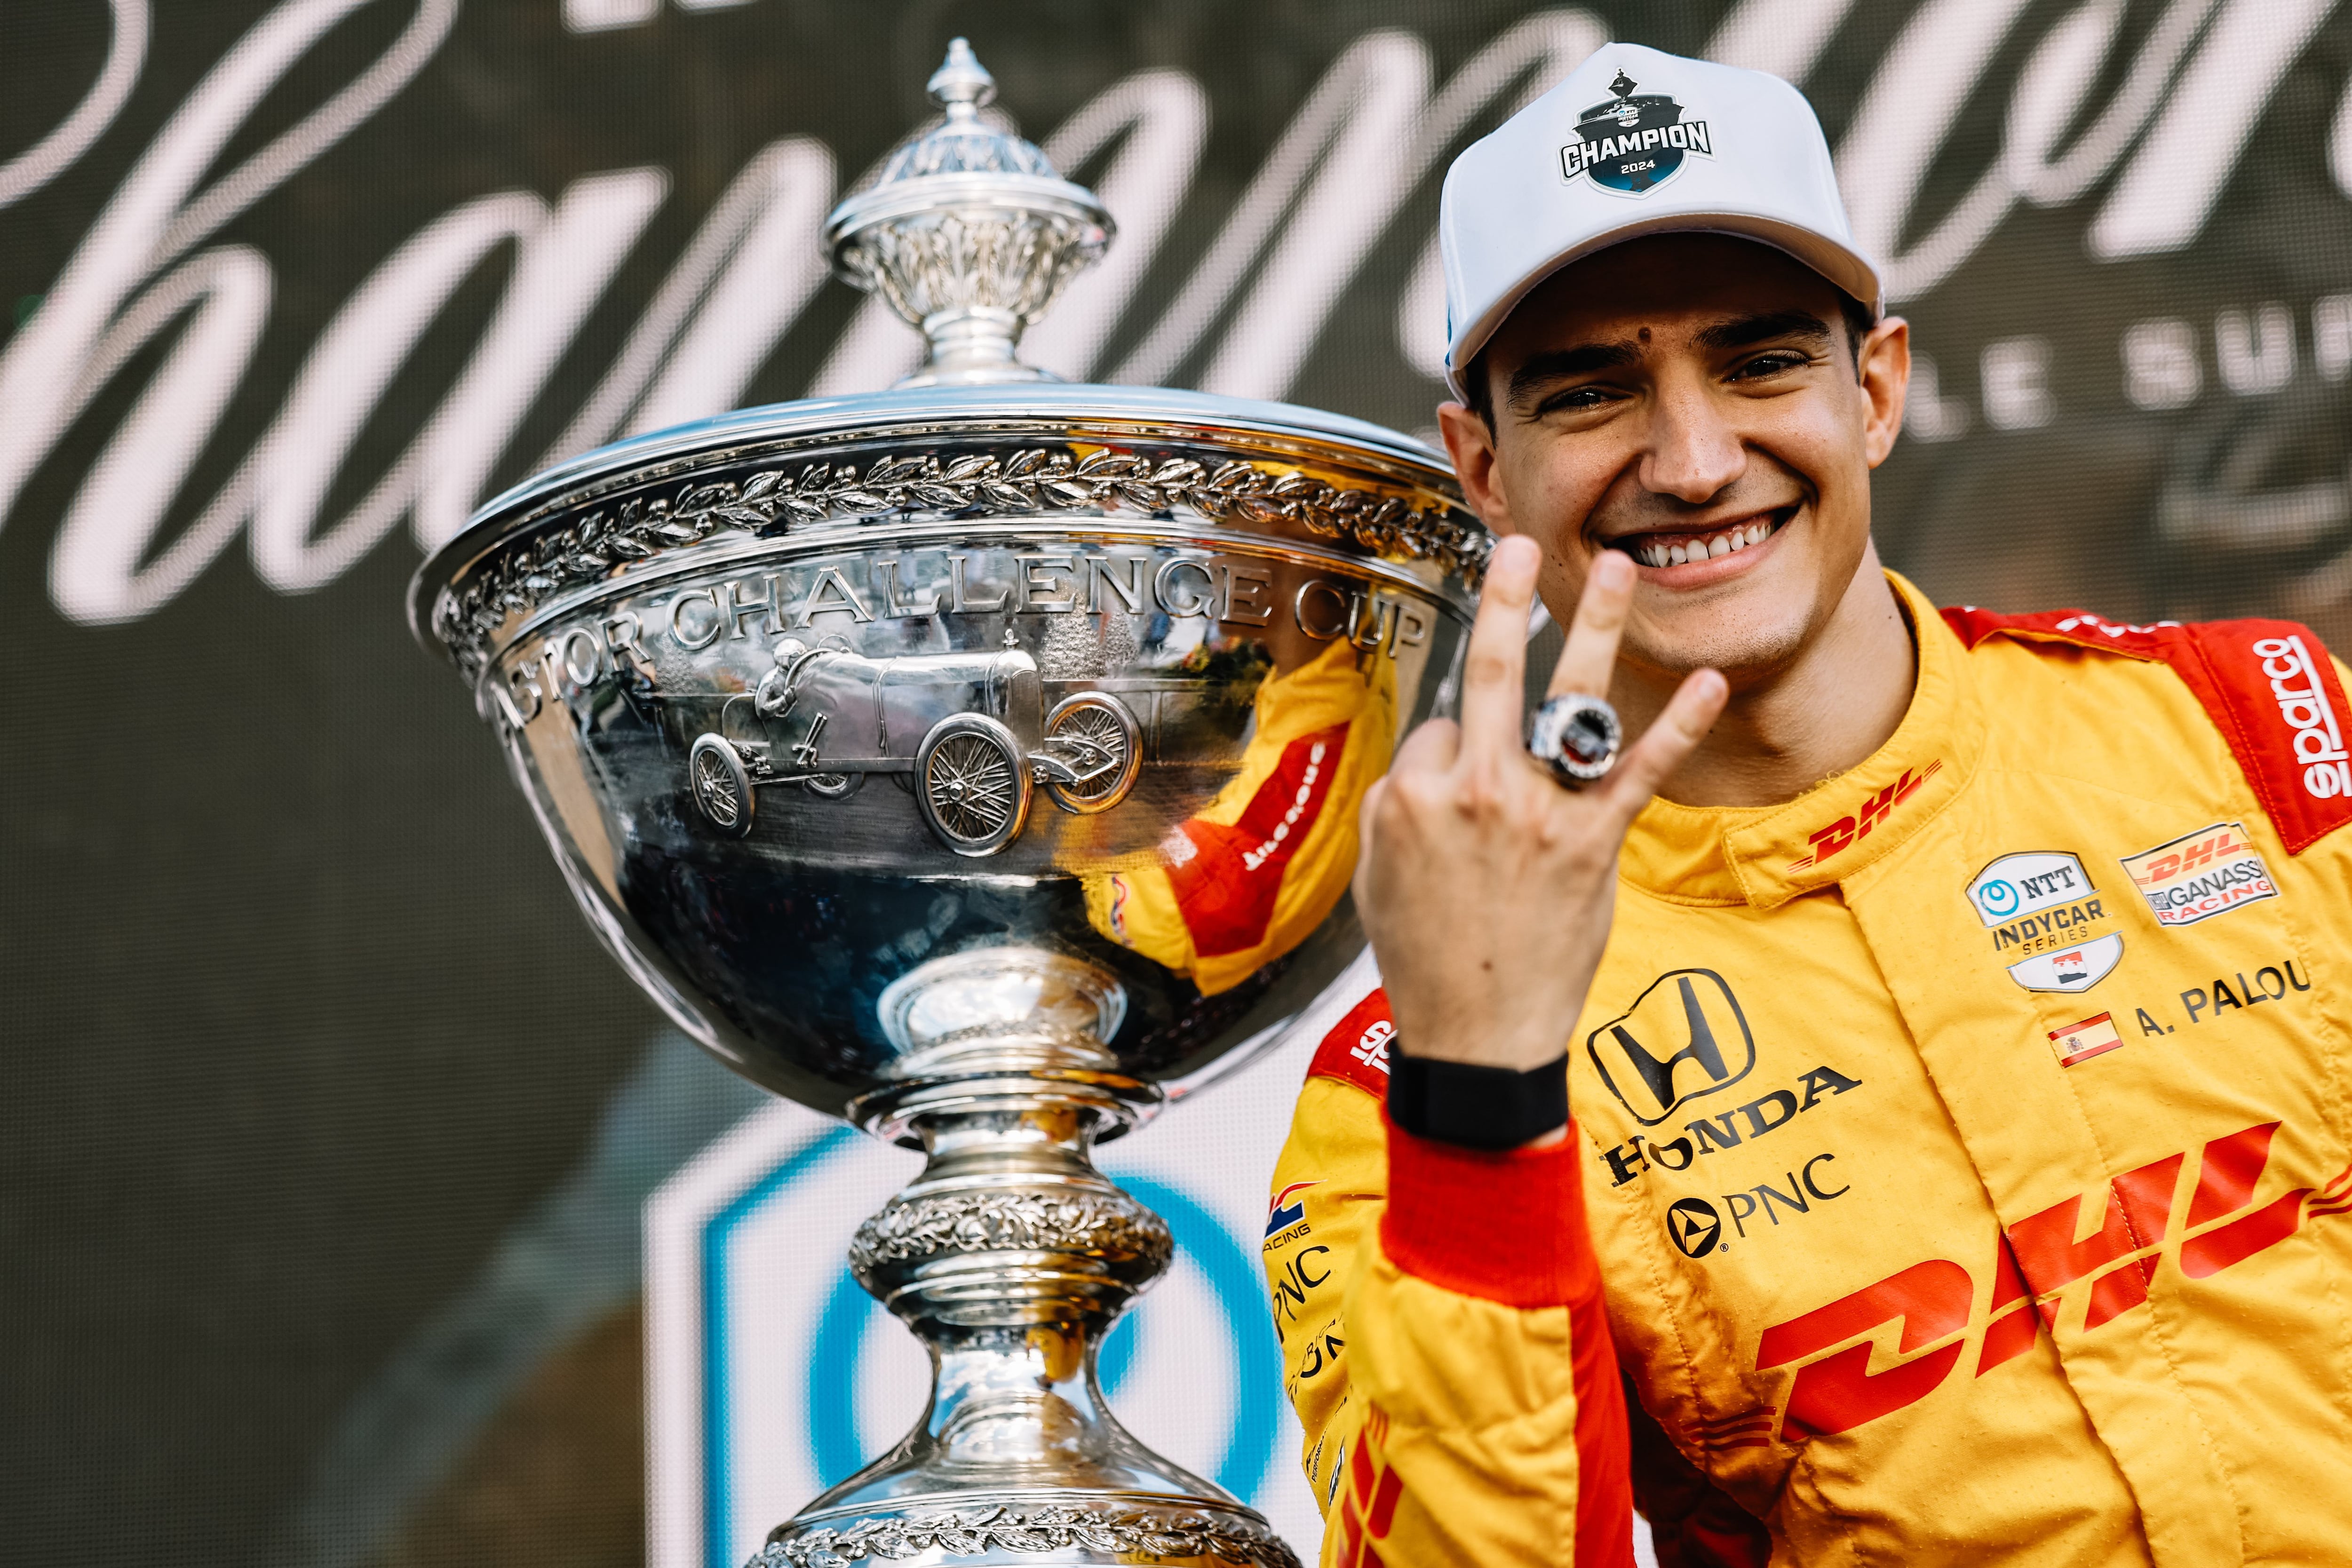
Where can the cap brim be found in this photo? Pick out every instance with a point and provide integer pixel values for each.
(1847, 269)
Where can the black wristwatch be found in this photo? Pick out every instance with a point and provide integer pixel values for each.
(1477, 1106)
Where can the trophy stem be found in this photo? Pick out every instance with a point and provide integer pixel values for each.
(1010, 1257)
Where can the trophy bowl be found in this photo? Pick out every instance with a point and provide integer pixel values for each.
(978, 761)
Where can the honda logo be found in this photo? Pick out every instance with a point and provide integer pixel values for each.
(1683, 1037)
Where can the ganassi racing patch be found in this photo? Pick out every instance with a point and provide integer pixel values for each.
(2200, 875)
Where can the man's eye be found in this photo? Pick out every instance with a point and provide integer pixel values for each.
(1778, 363)
(1577, 400)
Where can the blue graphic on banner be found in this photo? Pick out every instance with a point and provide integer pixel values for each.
(718, 1472)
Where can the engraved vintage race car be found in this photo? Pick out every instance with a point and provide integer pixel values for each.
(968, 733)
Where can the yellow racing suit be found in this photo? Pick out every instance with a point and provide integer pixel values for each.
(1962, 1150)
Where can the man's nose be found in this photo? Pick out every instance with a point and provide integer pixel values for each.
(1693, 452)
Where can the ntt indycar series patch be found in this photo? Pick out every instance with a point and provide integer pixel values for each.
(2200, 875)
(2045, 916)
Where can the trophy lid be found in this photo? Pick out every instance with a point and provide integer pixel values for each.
(960, 142)
(968, 232)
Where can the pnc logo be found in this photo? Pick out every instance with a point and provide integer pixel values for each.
(1683, 1038)
(1847, 831)
(1694, 1226)
(1297, 1279)
(2034, 1262)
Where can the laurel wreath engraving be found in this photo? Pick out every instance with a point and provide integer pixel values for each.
(1113, 1224)
(1133, 1533)
(779, 501)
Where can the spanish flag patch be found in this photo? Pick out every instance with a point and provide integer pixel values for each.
(2081, 1042)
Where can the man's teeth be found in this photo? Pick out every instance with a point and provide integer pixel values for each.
(1658, 552)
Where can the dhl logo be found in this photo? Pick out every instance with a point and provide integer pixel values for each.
(1374, 1490)
(2033, 1263)
(1848, 830)
(2183, 857)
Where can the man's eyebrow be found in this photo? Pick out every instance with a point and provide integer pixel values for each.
(1746, 330)
(1558, 364)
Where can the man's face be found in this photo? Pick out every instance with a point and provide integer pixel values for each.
(1693, 402)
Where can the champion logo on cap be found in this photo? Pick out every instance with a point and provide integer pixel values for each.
(1634, 143)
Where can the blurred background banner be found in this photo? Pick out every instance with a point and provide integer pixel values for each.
(329, 1132)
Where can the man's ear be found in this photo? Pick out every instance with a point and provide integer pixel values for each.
(1470, 445)
(1884, 372)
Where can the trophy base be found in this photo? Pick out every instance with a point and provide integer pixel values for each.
(1010, 1257)
(1031, 1527)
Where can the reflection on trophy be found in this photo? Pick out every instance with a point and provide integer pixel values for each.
(785, 689)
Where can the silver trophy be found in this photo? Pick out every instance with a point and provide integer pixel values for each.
(977, 761)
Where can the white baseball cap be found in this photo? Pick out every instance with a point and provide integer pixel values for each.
(1635, 142)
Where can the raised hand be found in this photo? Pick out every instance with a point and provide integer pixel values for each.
(1487, 889)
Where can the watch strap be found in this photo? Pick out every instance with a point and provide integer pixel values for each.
(1475, 1106)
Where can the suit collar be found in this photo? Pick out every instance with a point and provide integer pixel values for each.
(1765, 855)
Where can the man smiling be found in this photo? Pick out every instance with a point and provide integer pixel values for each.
(1959, 1169)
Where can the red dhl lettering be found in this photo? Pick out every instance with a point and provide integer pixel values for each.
(1929, 1300)
(1750, 1429)
(1848, 830)
(1374, 1490)
(1932, 1305)
(2014, 1321)
(2140, 1206)
(2223, 843)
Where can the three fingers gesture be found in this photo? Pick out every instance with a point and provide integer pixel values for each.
(1487, 888)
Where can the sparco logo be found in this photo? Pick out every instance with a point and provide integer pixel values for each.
(2303, 703)
(1632, 144)
(1637, 1057)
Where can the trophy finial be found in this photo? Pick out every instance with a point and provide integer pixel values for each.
(961, 85)
(968, 231)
